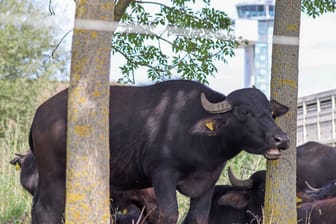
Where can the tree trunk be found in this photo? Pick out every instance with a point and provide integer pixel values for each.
(280, 195)
(87, 158)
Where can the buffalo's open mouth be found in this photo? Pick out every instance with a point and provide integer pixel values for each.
(272, 154)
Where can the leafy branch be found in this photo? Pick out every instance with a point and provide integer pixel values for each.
(316, 8)
(194, 39)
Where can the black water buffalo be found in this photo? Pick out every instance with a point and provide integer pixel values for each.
(171, 135)
(240, 203)
(315, 165)
(29, 173)
(317, 212)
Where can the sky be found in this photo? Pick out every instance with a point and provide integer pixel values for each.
(317, 64)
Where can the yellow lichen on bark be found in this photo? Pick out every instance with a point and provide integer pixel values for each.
(87, 157)
(292, 27)
(288, 82)
(83, 130)
(96, 93)
(93, 35)
(82, 100)
(75, 197)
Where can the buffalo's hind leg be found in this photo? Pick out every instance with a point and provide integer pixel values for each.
(49, 199)
(48, 204)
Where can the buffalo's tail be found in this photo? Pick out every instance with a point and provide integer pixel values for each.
(30, 140)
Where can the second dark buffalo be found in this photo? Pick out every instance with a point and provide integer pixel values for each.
(240, 202)
(171, 135)
(315, 165)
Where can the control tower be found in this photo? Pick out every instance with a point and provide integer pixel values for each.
(258, 53)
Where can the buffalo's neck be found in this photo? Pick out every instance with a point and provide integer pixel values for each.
(230, 145)
(216, 150)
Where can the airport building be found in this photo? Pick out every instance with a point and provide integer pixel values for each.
(258, 15)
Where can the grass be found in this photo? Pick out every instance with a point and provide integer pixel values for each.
(18, 101)
(183, 204)
(15, 202)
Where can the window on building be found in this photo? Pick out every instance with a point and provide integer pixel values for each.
(247, 11)
(326, 130)
(311, 108)
(311, 132)
(300, 111)
(325, 104)
(271, 10)
(299, 135)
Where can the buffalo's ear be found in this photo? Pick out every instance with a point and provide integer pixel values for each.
(211, 126)
(16, 160)
(278, 109)
(235, 199)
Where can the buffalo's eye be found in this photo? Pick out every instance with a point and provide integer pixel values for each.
(243, 111)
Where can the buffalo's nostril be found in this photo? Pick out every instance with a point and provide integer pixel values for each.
(278, 139)
(282, 141)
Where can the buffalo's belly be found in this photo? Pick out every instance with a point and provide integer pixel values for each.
(126, 171)
(120, 180)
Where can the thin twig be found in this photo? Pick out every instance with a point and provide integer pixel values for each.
(141, 214)
(59, 43)
(51, 10)
(148, 214)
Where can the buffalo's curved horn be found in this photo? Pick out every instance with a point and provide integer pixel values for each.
(311, 187)
(248, 183)
(19, 154)
(215, 108)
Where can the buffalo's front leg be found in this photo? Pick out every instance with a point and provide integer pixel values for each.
(164, 184)
(199, 209)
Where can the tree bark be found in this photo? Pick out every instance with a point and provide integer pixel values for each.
(120, 8)
(280, 195)
(87, 158)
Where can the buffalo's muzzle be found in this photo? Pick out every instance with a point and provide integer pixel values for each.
(282, 141)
